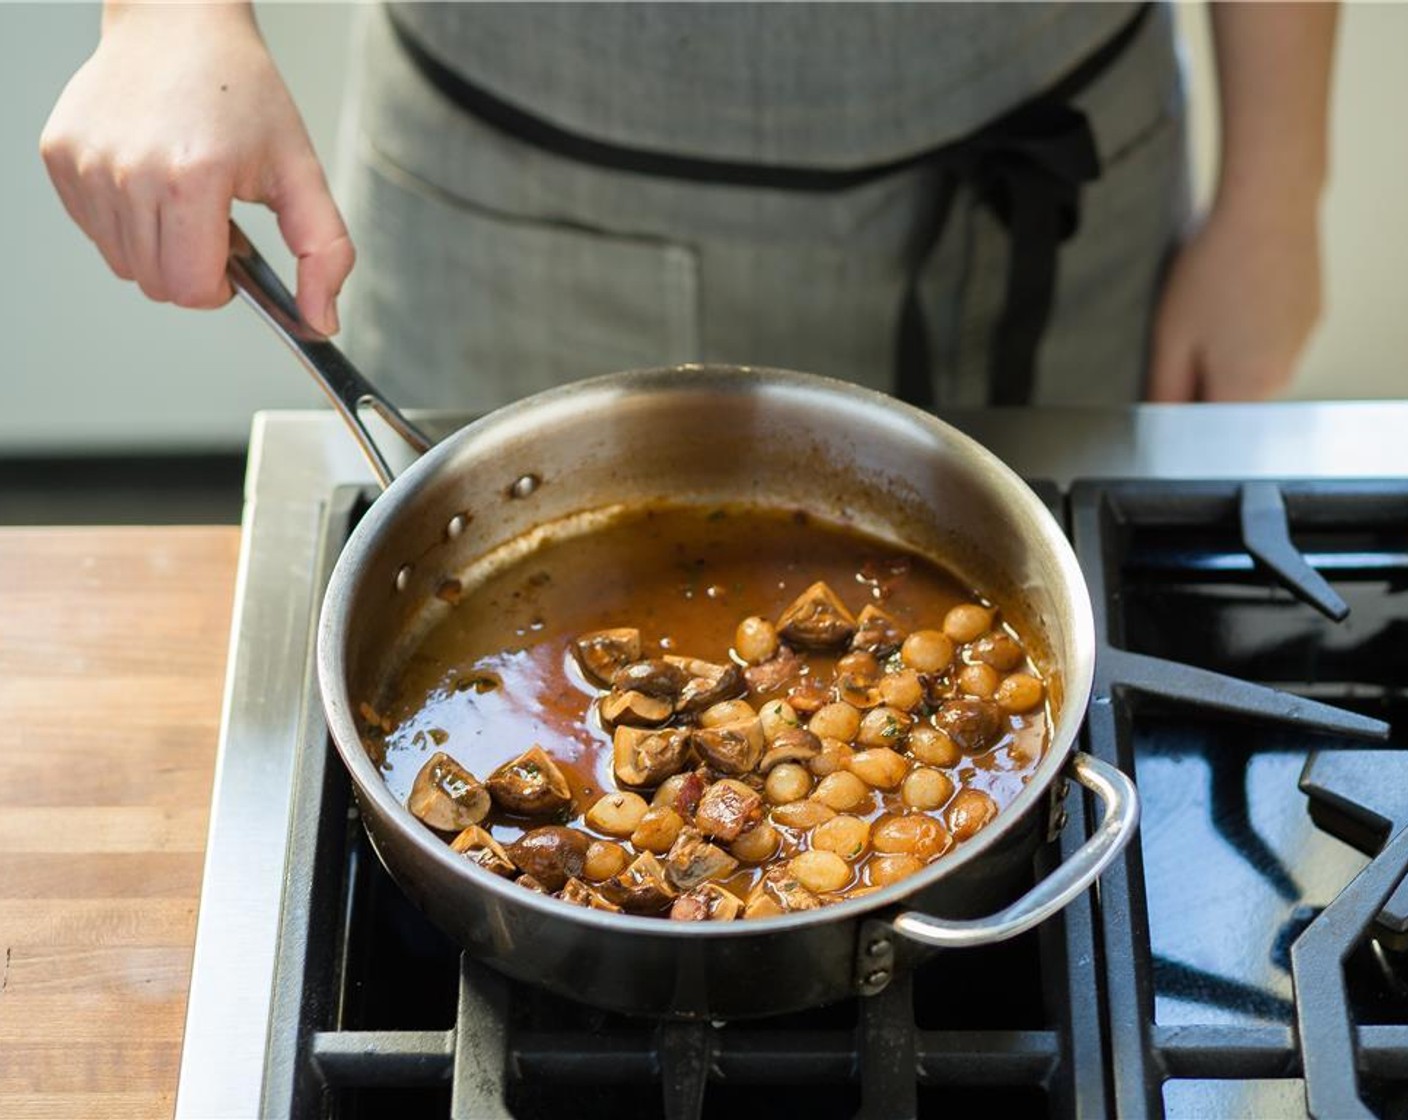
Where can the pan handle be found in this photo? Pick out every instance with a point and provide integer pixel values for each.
(1114, 789)
(345, 386)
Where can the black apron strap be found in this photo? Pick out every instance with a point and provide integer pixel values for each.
(1028, 169)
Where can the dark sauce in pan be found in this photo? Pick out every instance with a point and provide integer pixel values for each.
(498, 674)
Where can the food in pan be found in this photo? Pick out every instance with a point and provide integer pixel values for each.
(711, 714)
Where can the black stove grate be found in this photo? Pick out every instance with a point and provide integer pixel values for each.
(1099, 1012)
(1209, 573)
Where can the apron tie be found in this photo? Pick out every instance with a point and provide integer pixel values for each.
(1028, 169)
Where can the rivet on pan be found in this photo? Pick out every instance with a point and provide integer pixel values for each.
(524, 486)
(403, 578)
(877, 979)
(878, 947)
(457, 525)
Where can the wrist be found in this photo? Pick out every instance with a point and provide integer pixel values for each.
(144, 14)
(1287, 199)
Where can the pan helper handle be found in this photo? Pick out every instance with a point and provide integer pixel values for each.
(344, 384)
(1078, 873)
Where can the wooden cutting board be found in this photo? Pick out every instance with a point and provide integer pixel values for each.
(112, 656)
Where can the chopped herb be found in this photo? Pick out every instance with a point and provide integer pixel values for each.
(531, 769)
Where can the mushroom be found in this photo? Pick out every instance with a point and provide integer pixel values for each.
(579, 894)
(692, 860)
(778, 892)
(728, 809)
(973, 724)
(877, 632)
(732, 748)
(528, 883)
(796, 744)
(779, 671)
(708, 684)
(642, 888)
(656, 676)
(446, 796)
(476, 845)
(604, 652)
(817, 619)
(645, 758)
(551, 854)
(857, 675)
(707, 902)
(634, 709)
(808, 696)
(530, 785)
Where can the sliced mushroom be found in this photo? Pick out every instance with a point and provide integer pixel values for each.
(733, 748)
(447, 796)
(551, 854)
(642, 888)
(476, 845)
(708, 684)
(809, 696)
(645, 758)
(857, 675)
(728, 809)
(530, 785)
(817, 619)
(777, 892)
(528, 883)
(634, 709)
(693, 860)
(877, 632)
(579, 894)
(778, 672)
(796, 744)
(974, 725)
(604, 652)
(707, 902)
(656, 676)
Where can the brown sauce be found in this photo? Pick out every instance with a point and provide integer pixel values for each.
(499, 674)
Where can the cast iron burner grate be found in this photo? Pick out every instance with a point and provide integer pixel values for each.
(1239, 974)
(1142, 1008)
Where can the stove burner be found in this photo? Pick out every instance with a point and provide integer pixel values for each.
(1182, 541)
(1156, 1002)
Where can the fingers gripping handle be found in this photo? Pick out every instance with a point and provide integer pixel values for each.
(348, 390)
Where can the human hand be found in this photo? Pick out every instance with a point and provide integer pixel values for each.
(1240, 302)
(179, 111)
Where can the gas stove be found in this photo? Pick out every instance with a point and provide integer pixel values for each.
(1247, 956)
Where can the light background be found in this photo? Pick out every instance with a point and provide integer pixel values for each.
(89, 365)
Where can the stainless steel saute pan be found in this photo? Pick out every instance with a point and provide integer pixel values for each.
(710, 433)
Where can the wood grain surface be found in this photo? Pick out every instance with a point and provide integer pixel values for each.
(112, 657)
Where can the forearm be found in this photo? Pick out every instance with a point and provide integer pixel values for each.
(1273, 70)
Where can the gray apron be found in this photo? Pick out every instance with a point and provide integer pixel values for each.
(490, 268)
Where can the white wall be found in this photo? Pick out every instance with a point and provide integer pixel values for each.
(90, 365)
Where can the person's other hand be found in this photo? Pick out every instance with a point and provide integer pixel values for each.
(179, 111)
(1240, 302)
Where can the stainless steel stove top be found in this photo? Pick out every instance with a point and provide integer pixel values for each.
(299, 459)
